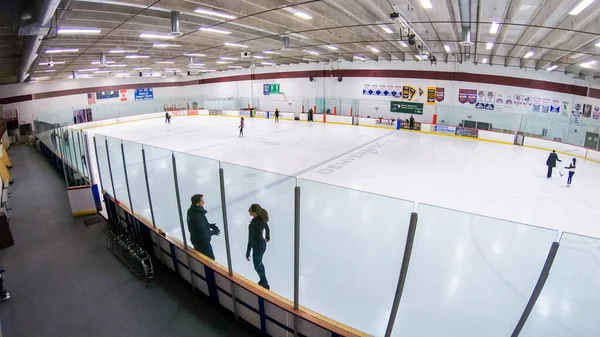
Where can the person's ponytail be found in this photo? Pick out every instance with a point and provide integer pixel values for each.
(265, 215)
(259, 211)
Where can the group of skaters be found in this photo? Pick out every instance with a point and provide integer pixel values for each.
(201, 232)
(551, 163)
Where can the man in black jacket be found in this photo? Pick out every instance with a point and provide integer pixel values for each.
(200, 230)
(551, 162)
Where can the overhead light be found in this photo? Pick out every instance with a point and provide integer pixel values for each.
(267, 63)
(332, 47)
(447, 48)
(117, 65)
(196, 65)
(489, 45)
(234, 67)
(484, 61)
(121, 51)
(598, 44)
(528, 55)
(373, 49)
(58, 51)
(302, 15)
(403, 44)
(193, 55)
(311, 52)
(78, 31)
(426, 4)
(98, 62)
(81, 76)
(54, 63)
(137, 56)
(43, 78)
(122, 74)
(309, 60)
(165, 62)
(214, 13)
(223, 62)
(142, 68)
(101, 71)
(300, 36)
(419, 57)
(260, 57)
(552, 67)
(494, 27)
(387, 30)
(360, 58)
(228, 58)
(229, 44)
(156, 36)
(268, 52)
(588, 63)
(214, 30)
(166, 45)
(89, 69)
(579, 8)
(45, 71)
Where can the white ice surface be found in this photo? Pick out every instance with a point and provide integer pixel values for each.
(494, 180)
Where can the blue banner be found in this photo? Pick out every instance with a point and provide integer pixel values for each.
(144, 94)
(266, 89)
(107, 94)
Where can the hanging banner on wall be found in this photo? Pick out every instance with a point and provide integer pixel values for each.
(144, 94)
(430, 95)
(462, 96)
(472, 96)
(537, 104)
(123, 95)
(480, 100)
(490, 99)
(518, 100)
(527, 101)
(406, 107)
(576, 114)
(587, 110)
(406, 92)
(91, 98)
(439, 94)
(555, 106)
(509, 101)
(565, 108)
(499, 101)
(545, 105)
(596, 112)
(107, 94)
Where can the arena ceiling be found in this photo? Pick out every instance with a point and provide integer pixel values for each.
(137, 35)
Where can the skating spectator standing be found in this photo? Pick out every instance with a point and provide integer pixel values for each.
(571, 169)
(276, 115)
(551, 163)
(200, 230)
(412, 123)
(167, 118)
(257, 243)
(241, 127)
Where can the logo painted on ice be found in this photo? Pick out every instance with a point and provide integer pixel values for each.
(370, 150)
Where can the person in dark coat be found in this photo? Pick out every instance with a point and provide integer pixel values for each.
(551, 162)
(412, 123)
(200, 230)
(276, 115)
(257, 243)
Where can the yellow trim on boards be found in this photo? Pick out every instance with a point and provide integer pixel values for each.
(80, 213)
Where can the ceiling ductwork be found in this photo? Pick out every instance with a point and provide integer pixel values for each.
(175, 23)
(34, 29)
(465, 16)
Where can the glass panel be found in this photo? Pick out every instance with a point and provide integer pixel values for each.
(274, 192)
(469, 275)
(116, 166)
(197, 175)
(136, 178)
(570, 301)
(351, 247)
(103, 164)
(159, 164)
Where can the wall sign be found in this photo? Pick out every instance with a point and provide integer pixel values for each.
(271, 89)
(107, 94)
(406, 107)
(144, 94)
(450, 130)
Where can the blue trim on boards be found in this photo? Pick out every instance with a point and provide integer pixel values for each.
(261, 314)
(174, 258)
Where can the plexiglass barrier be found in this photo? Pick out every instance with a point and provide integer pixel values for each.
(468, 275)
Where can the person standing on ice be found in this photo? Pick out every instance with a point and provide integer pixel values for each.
(200, 230)
(257, 243)
(571, 169)
(276, 115)
(241, 127)
(412, 123)
(167, 118)
(551, 163)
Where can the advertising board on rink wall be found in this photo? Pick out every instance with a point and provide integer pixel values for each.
(449, 130)
(467, 132)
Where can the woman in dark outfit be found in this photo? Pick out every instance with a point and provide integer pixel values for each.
(256, 243)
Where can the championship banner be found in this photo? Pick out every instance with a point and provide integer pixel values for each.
(411, 93)
(518, 99)
(545, 105)
(480, 100)
(499, 101)
(555, 107)
(508, 102)
(537, 104)
(462, 96)
(587, 110)
(439, 94)
(490, 100)
(527, 101)
(430, 95)
(405, 92)
(596, 112)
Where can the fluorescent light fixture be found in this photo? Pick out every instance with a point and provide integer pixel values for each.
(81, 76)
(121, 51)
(166, 45)
(332, 47)
(156, 36)
(419, 57)
(142, 68)
(223, 62)
(78, 31)
(58, 51)
(426, 4)
(579, 8)
(137, 56)
(45, 71)
(360, 58)
(214, 13)
(387, 30)
(552, 67)
(43, 78)
(122, 74)
(228, 58)
(117, 65)
(193, 55)
(55, 63)
(98, 62)
(309, 60)
(101, 71)
(214, 30)
(598, 44)
(373, 49)
(494, 27)
(588, 63)
(447, 48)
(239, 45)
(260, 57)
(300, 36)
(89, 69)
(302, 15)
(194, 65)
(165, 62)
(268, 52)
(528, 55)
(267, 63)
(489, 45)
(311, 52)
(484, 61)
(234, 67)
(403, 44)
